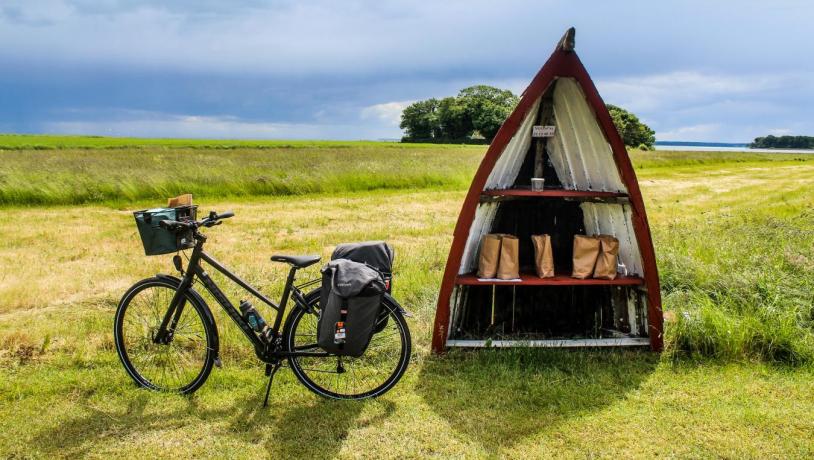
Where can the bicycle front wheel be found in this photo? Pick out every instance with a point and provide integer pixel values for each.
(181, 365)
(345, 377)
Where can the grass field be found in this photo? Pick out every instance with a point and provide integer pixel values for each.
(734, 237)
(120, 171)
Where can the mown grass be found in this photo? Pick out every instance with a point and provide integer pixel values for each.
(734, 239)
(527, 404)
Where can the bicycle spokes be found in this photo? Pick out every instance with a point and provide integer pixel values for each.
(171, 364)
(346, 376)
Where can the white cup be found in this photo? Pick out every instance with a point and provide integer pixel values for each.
(537, 184)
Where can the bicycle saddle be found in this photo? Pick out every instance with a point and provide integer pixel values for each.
(296, 261)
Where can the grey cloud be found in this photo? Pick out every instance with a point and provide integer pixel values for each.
(687, 67)
(185, 7)
(364, 37)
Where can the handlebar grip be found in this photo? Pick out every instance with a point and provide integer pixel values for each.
(169, 224)
(226, 215)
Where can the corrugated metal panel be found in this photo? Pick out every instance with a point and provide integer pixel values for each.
(634, 299)
(614, 219)
(583, 160)
(484, 216)
(561, 162)
(511, 159)
(579, 151)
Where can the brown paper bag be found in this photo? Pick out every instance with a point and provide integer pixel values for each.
(606, 262)
(586, 251)
(489, 256)
(180, 200)
(509, 266)
(543, 257)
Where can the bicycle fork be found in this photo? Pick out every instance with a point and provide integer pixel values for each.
(167, 328)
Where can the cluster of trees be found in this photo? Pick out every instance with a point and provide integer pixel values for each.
(783, 142)
(477, 112)
(633, 131)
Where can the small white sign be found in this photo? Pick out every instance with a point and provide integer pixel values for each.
(542, 131)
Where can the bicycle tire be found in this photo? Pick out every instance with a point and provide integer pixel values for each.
(397, 323)
(121, 329)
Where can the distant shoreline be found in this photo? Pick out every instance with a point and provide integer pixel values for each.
(701, 144)
(720, 147)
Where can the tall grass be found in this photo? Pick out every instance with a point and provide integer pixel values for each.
(77, 176)
(60, 170)
(57, 142)
(740, 287)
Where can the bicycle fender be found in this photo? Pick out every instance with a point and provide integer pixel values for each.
(208, 317)
(402, 310)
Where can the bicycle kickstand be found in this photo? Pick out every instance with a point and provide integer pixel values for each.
(271, 369)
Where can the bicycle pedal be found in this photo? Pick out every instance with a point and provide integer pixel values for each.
(218, 362)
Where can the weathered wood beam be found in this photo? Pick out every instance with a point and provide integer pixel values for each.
(567, 42)
(545, 116)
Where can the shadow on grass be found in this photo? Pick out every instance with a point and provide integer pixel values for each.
(293, 426)
(296, 424)
(309, 428)
(76, 437)
(499, 397)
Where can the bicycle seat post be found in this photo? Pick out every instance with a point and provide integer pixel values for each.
(289, 284)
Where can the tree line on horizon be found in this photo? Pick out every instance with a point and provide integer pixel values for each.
(477, 112)
(783, 142)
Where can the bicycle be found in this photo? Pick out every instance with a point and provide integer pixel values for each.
(165, 345)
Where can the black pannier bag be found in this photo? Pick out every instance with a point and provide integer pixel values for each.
(376, 254)
(351, 303)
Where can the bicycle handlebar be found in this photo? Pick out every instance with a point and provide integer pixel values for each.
(173, 224)
(213, 219)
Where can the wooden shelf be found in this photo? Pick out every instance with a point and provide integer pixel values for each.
(553, 343)
(553, 193)
(559, 280)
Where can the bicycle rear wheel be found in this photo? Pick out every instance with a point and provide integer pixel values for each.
(180, 366)
(345, 377)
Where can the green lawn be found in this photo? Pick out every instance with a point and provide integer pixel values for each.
(733, 236)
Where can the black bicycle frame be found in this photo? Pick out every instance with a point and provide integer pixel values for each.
(266, 351)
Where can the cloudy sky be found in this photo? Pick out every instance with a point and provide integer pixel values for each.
(694, 70)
